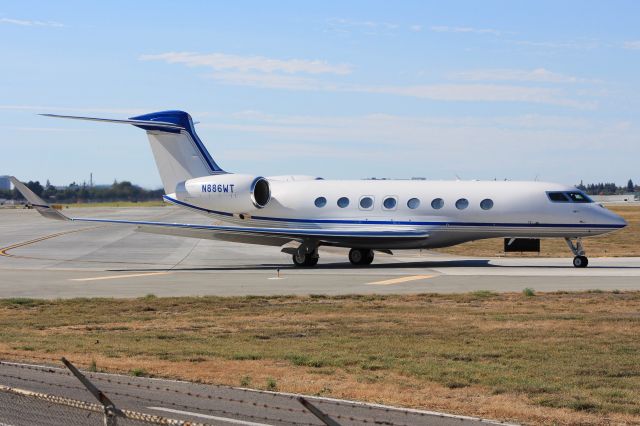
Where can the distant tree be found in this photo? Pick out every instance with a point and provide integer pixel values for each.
(630, 186)
(119, 191)
(50, 191)
(35, 187)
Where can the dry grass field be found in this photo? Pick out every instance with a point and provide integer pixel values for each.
(625, 242)
(557, 358)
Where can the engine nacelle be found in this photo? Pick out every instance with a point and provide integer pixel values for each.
(229, 192)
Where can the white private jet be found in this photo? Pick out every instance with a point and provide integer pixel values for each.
(363, 215)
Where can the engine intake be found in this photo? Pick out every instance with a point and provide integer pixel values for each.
(260, 192)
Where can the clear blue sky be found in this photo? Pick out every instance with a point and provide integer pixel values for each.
(480, 90)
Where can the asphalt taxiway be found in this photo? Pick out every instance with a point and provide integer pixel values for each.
(193, 402)
(53, 259)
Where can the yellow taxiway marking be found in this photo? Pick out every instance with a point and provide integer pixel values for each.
(402, 280)
(4, 251)
(115, 277)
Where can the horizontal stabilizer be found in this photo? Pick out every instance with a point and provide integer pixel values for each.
(144, 123)
(38, 203)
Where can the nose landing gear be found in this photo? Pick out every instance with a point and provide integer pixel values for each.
(580, 260)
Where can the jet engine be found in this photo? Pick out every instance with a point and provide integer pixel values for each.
(230, 193)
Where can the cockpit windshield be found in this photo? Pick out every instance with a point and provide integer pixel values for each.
(558, 197)
(569, 197)
(579, 197)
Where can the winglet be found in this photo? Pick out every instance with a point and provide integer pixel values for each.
(43, 208)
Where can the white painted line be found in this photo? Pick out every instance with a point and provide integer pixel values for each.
(115, 277)
(276, 278)
(208, 417)
(401, 280)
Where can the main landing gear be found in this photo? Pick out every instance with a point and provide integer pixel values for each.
(303, 258)
(361, 257)
(306, 255)
(580, 260)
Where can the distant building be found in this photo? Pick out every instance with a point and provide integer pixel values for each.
(5, 183)
(621, 198)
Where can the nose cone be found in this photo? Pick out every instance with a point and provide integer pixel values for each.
(621, 221)
(613, 219)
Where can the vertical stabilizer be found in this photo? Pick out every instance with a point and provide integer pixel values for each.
(179, 152)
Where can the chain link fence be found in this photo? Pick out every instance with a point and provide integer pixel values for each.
(25, 407)
(22, 407)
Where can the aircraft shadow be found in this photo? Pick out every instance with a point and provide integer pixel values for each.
(325, 266)
(427, 264)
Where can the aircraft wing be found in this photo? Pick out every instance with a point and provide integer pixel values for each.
(42, 207)
(259, 235)
(250, 235)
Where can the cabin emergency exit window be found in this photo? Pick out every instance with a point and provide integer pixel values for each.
(366, 203)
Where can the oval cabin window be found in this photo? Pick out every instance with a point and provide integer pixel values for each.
(438, 203)
(486, 204)
(462, 204)
(389, 203)
(366, 203)
(343, 202)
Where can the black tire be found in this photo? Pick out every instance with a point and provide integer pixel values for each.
(360, 257)
(356, 256)
(305, 261)
(368, 257)
(311, 261)
(580, 261)
(299, 260)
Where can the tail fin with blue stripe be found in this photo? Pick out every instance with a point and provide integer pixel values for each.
(178, 151)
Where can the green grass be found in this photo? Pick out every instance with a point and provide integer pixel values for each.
(481, 294)
(139, 372)
(577, 351)
(245, 381)
(272, 385)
